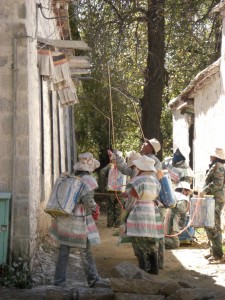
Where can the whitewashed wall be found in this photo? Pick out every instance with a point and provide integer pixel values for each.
(209, 126)
(181, 124)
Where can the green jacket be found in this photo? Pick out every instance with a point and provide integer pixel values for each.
(214, 181)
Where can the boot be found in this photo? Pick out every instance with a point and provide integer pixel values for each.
(154, 269)
(141, 262)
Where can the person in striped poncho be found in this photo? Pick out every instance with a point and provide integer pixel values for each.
(79, 230)
(144, 223)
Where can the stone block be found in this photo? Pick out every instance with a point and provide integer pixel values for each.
(22, 11)
(22, 184)
(22, 103)
(6, 183)
(6, 82)
(21, 205)
(22, 122)
(135, 286)
(127, 296)
(7, 125)
(95, 294)
(59, 293)
(6, 167)
(23, 147)
(6, 149)
(3, 61)
(23, 166)
(6, 105)
(129, 271)
(169, 286)
(195, 294)
(21, 247)
(21, 227)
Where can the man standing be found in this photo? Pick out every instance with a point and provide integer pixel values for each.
(150, 148)
(214, 185)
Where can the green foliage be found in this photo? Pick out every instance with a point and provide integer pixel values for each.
(192, 41)
(117, 33)
(16, 275)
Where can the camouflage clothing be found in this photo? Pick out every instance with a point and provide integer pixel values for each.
(114, 211)
(146, 250)
(162, 210)
(161, 251)
(186, 173)
(123, 167)
(172, 223)
(214, 185)
(215, 234)
(214, 181)
(114, 208)
(179, 171)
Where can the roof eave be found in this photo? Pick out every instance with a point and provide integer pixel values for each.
(200, 78)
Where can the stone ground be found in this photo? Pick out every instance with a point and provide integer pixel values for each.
(186, 263)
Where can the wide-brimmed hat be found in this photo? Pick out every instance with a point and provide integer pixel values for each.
(86, 163)
(155, 144)
(145, 163)
(183, 185)
(131, 156)
(218, 152)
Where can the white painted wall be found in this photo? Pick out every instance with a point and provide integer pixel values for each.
(209, 107)
(181, 124)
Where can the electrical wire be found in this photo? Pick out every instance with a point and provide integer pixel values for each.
(39, 5)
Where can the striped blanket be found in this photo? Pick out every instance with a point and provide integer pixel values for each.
(144, 218)
(74, 231)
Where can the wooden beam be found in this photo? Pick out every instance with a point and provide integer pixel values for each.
(80, 62)
(74, 71)
(84, 78)
(79, 45)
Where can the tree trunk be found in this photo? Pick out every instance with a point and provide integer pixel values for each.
(151, 103)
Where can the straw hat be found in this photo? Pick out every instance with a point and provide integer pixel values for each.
(219, 153)
(183, 185)
(86, 163)
(155, 144)
(131, 156)
(145, 163)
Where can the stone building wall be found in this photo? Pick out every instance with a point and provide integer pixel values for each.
(25, 146)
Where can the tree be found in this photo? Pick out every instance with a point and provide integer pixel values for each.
(128, 36)
(154, 77)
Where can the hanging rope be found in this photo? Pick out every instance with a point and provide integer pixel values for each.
(131, 100)
(190, 221)
(108, 121)
(116, 193)
(139, 122)
(111, 108)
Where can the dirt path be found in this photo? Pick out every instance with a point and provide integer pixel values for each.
(186, 263)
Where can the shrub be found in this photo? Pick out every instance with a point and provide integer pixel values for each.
(16, 275)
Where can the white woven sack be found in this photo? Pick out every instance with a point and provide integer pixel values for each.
(65, 194)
